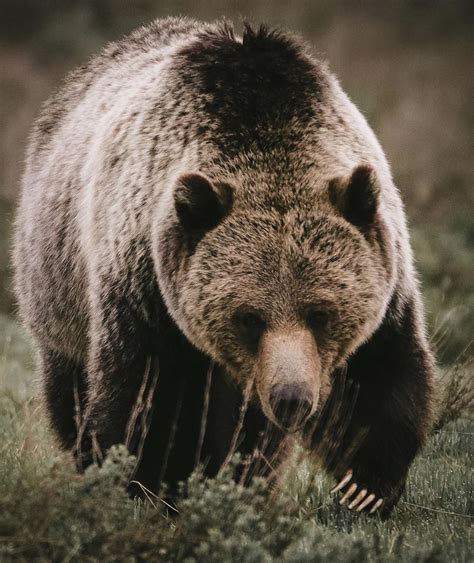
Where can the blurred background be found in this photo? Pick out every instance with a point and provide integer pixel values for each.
(406, 64)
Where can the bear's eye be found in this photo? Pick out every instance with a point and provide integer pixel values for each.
(317, 319)
(250, 326)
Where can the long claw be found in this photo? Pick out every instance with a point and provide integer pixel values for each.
(358, 498)
(366, 502)
(350, 491)
(377, 505)
(343, 482)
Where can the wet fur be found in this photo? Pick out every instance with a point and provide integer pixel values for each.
(106, 277)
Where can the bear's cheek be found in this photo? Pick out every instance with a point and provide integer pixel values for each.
(207, 328)
(337, 343)
(329, 359)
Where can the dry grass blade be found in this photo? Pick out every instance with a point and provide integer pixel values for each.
(240, 424)
(138, 406)
(147, 411)
(173, 430)
(149, 494)
(457, 393)
(205, 410)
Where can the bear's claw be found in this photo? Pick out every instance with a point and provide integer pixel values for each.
(361, 501)
(376, 506)
(343, 482)
(350, 491)
(358, 499)
(366, 502)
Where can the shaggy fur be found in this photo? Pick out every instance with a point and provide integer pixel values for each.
(181, 181)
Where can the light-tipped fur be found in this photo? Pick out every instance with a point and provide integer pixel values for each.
(113, 268)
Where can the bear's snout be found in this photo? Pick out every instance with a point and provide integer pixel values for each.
(291, 404)
(288, 377)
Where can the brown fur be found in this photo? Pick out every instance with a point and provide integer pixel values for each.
(193, 189)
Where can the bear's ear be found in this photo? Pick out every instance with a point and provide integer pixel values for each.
(357, 197)
(200, 204)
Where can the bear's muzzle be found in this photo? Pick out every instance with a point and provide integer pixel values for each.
(288, 377)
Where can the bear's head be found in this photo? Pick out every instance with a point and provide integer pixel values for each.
(279, 298)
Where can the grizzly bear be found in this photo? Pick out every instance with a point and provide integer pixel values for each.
(211, 256)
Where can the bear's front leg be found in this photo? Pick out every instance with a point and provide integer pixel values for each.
(121, 376)
(384, 417)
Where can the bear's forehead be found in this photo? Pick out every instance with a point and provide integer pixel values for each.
(287, 178)
(274, 272)
(293, 232)
(286, 248)
(280, 263)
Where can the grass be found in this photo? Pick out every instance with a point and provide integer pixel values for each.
(50, 513)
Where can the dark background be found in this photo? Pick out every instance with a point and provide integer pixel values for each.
(406, 64)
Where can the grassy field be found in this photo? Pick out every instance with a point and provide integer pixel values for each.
(50, 513)
(407, 68)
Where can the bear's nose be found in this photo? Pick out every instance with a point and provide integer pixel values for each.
(291, 405)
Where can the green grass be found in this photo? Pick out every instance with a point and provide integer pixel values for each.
(49, 512)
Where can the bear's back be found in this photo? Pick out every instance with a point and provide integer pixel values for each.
(118, 58)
